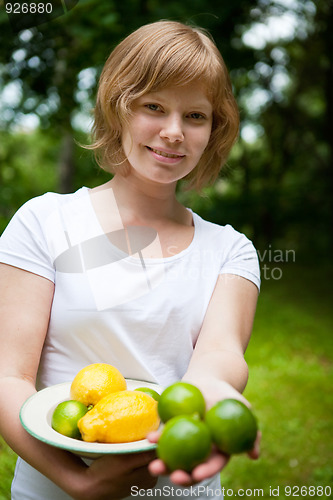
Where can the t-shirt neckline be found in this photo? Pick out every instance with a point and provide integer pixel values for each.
(149, 260)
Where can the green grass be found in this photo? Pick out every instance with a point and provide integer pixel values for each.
(290, 387)
(7, 464)
(290, 358)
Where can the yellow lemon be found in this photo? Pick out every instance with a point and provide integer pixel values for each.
(120, 417)
(95, 381)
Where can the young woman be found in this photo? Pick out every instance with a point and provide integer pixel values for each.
(123, 273)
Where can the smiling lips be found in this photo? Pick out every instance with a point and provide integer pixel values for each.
(163, 153)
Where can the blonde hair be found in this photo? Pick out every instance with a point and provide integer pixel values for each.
(154, 57)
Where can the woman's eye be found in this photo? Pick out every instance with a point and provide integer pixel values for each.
(197, 116)
(153, 107)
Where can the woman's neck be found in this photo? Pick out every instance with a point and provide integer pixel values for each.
(143, 202)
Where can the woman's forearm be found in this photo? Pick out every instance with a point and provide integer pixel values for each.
(224, 365)
(218, 374)
(64, 469)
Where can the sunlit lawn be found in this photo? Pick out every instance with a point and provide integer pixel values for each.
(290, 387)
(7, 464)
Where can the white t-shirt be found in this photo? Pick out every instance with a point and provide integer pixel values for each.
(140, 314)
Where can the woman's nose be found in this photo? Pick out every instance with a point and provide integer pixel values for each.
(172, 129)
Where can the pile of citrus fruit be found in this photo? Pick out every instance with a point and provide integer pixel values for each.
(189, 431)
(102, 410)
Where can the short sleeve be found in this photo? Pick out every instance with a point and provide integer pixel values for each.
(241, 258)
(23, 243)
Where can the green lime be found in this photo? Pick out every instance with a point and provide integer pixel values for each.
(66, 416)
(149, 391)
(232, 425)
(181, 398)
(184, 443)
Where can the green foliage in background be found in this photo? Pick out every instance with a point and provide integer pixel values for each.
(277, 185)
(29, 167)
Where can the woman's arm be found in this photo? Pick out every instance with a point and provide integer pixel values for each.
(25, 305)
(217, 365)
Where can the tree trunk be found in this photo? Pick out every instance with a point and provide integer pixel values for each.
(66, 163)
(329, 112)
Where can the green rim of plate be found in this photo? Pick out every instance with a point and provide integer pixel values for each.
(35, 417)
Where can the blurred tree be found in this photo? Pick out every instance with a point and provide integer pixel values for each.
(279, 179)
(55, 65)
(279, 186)
(298, 178)
(26, 169)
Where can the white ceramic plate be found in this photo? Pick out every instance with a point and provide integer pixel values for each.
(36, 414)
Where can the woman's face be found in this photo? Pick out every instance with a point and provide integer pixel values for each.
(167, 133)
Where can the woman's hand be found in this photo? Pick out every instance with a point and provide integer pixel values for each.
(217, 366)
(214, 390)
(113, 476)
(213, 465)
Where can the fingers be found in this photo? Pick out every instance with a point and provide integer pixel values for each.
(141, 476)
(115, 475)
(154, 436)
(126, 462)
(141, 459)
(255, 452)
(212, 466)
(157, 467)
(181, 478)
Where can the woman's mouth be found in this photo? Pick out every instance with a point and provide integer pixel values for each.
(164, 154)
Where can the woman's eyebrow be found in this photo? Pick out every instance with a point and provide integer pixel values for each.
(200, 103)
